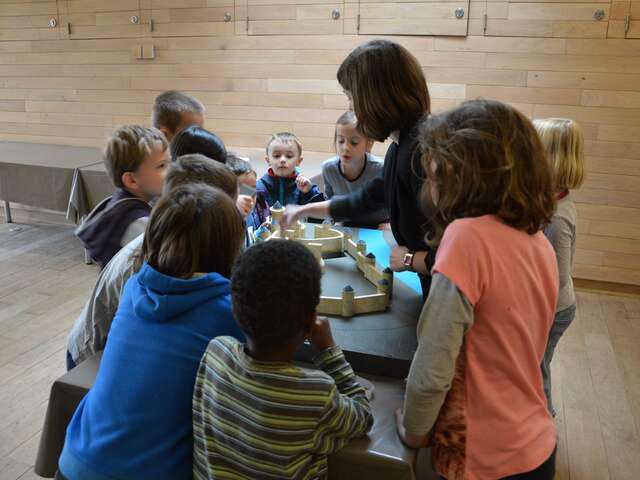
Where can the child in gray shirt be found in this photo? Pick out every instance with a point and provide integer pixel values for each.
(564, 146)
(352, 168)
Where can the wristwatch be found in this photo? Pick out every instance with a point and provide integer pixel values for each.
(407, 260)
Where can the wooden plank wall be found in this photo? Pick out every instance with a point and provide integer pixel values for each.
(71, 86)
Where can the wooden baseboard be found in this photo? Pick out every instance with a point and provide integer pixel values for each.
(608, 287)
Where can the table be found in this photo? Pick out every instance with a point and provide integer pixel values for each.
(377, 343)
(91, 184)
(40, 175)
(378, 456)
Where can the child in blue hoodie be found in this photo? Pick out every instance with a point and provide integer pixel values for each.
(135, 423)
(283, 182)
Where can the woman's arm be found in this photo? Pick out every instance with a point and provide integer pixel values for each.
(446, 316)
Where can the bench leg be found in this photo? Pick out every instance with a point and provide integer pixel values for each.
(87, 257)
(7, 212)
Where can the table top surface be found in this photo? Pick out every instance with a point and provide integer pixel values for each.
(54, 156)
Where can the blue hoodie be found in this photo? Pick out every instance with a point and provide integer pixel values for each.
(136, 423)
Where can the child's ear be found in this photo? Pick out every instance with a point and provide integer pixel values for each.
(300, 160)
(129, 181)
(167, 133)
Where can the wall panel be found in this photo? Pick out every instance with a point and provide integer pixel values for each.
(56, 89)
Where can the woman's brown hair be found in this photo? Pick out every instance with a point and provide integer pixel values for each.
(482, 158)
(193, 228)
(387, 88)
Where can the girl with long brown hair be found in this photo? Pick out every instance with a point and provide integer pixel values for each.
(474, 392)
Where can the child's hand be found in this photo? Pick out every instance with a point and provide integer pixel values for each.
(321, 337)
(303, 183)
(411, 441)
(244, 204)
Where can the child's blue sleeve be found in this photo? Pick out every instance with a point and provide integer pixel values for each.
(312, 196)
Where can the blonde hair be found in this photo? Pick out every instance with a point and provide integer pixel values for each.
(564, 146)
(127, 149)
(287, 138)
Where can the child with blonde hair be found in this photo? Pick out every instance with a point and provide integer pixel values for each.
(564, 147)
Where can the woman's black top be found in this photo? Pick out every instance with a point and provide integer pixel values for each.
(399, 190)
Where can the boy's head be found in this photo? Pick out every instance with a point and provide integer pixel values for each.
(284, 154)
(137, 158)
(174, 111)
(275, 288)
(563, 142)
(242, 169)
(195, 168)
(195, 139)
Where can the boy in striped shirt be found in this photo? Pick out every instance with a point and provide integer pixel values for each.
(255, 414)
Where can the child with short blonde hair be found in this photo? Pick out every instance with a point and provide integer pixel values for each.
(564, 147)
(283, 183)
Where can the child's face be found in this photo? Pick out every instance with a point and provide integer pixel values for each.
(351, 146)
(248, 179)
(283, 158)
(148, 180)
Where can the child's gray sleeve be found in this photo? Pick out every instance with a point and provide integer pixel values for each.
(134, 230)
(328, 188)
(446, 316)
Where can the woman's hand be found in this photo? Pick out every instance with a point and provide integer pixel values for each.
(293, 213)
(396, 259)
(411, 441)
(418, 264)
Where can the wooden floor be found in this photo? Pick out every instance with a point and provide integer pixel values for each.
(44, 283)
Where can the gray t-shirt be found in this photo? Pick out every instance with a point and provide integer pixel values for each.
(561, 232)
(335, 183)
(89, 333)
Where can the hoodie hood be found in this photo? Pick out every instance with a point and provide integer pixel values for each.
(159, 297)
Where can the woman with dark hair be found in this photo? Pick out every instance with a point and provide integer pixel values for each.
(388, 92)
(195, 139)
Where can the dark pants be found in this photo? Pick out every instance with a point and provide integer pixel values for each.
(70, 363)
(546, 471)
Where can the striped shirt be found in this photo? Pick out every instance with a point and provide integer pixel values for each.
(271, 420)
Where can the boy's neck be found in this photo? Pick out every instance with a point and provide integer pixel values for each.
(281, 354)
(136, 194)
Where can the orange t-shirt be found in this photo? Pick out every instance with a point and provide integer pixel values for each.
(511, 279)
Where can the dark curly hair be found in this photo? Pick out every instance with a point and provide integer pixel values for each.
(275, 289)
(485, 157)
